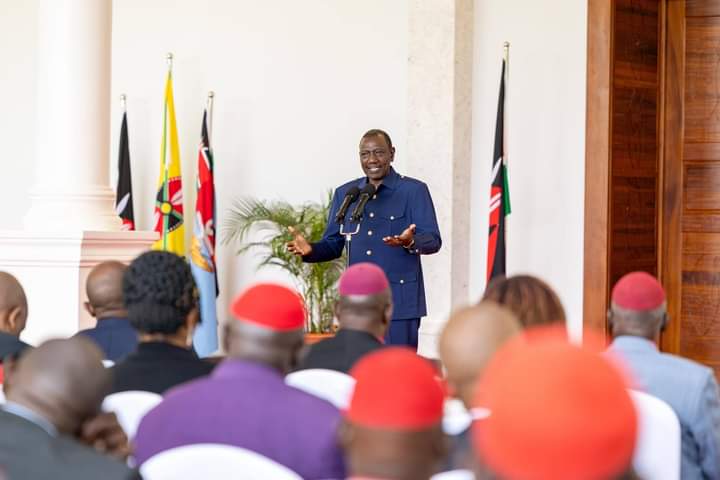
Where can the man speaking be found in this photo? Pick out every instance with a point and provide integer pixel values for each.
(393, 222)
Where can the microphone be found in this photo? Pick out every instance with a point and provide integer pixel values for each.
(350, 197)
(365, 194)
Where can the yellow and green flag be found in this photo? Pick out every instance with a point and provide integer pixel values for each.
(169, 200)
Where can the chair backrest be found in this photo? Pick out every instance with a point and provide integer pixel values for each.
(454, 475)
(130, 407)
(657, 452)
(213, 461)
(331, 385)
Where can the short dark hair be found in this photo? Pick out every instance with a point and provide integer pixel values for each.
(375, 132)
(159, 292)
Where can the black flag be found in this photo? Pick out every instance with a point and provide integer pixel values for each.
(499, 193)
(123, 197)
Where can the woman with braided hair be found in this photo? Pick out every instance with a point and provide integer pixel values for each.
(161, 300)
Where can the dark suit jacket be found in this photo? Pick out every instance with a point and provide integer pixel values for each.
(10, 345)
(27, 452)
(341, 351)
(115, 337)
(157, 366)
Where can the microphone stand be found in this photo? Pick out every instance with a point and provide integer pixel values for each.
(348, 239)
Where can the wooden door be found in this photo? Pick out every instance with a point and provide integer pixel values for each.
(689, 257)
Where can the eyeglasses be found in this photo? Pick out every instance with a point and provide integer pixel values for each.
(378, 153)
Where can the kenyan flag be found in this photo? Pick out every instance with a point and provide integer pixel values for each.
(499, 194)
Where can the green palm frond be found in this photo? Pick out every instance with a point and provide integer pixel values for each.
(269, 221)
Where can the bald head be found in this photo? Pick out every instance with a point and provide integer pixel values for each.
(277, 349)
(64, 381)
(469, 340)
(13, 305)
(104, 290)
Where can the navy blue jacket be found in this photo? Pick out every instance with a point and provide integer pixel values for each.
(399, 202)
(115, 337)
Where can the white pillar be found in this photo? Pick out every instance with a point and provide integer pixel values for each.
(439, 146)
(71, 189)
(71, 225)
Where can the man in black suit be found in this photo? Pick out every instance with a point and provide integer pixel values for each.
(13, 316)
(162, 302)
(51, 418)
(113, 332)
(364, 312)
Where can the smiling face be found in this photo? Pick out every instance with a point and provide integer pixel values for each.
(375, 157)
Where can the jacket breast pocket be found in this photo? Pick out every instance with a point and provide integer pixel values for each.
(395, 218)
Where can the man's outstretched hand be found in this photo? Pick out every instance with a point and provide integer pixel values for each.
(298, 245)
(405, 239)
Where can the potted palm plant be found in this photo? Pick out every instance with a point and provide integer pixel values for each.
(271, 219)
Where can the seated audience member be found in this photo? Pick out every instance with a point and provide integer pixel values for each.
(364, 311)
(468, 342)
(392, 428)
(558, 412)
(245, 402)
(637, 315)
(51, 419)
(531, 300)
(13, 316)
(160, 295)
(113, 332)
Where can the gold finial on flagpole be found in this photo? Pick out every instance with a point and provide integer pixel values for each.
(123, 102)
(169, 59)
(506, 51)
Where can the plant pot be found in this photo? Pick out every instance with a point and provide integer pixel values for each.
(311, 338)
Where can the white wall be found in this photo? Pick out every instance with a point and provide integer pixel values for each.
(296, 83)
(545, 135)
(18, 40)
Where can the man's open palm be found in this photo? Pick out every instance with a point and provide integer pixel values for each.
(298, 245)
(405, 239)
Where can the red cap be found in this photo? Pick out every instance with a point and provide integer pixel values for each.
(558, 412)
(395, 390)
(638, 291)
(271, 306)
(363, 279)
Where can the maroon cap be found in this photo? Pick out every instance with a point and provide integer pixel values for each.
(363, 279)
(638, 291)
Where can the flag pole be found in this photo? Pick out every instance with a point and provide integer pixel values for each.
(210, 102)
(169, 59)
(123, 102)
(506, 58)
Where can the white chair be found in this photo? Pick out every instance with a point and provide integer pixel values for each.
(108, 363)
(331, 385)
(130, 407)
(454, 475)
(2, 395)
(657, 452)
(457, 419)
(213, 461)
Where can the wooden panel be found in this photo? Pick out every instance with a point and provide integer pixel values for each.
(702, 79)
(634, 161)
(701, 222)
(670, 258)
(700, 306)
(702, 8)
(702, 152)
(597, 164)
(635, 47)
(702, 186)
